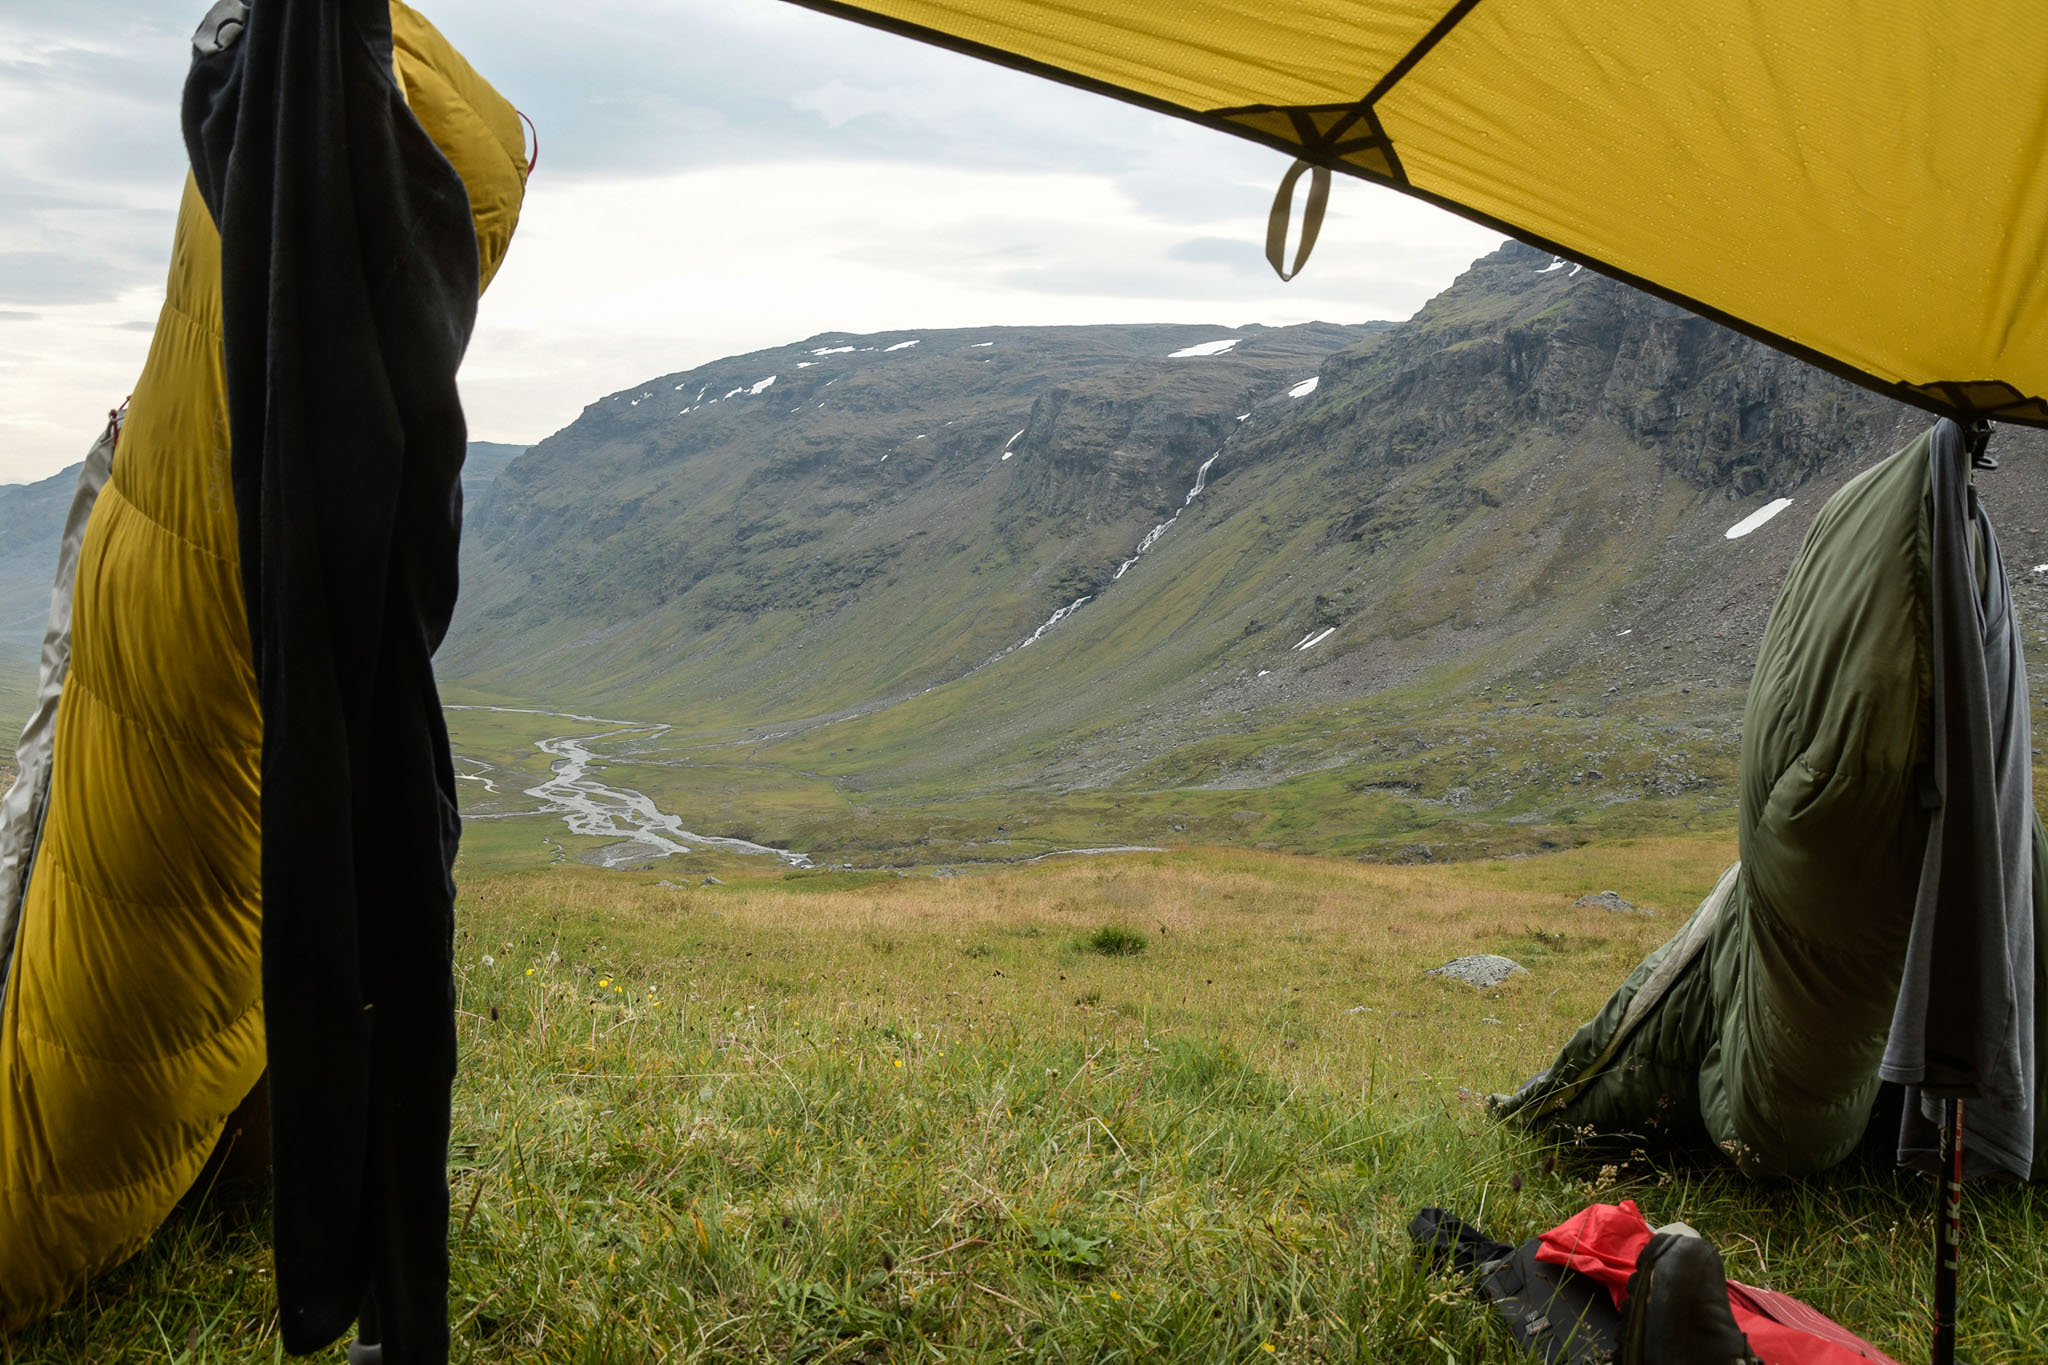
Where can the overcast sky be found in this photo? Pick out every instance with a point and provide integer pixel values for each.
(715, 176)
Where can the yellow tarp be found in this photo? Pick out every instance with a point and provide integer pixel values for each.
(1858, 182)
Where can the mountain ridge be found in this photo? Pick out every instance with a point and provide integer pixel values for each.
(1513, 505)
(1415, 424)
(1047, 442)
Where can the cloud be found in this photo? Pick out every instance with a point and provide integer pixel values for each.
(714, 178)
(58, 377)
(611, 284)
(53, 277)
(1232, 253)
(838, 103)
(625, 89)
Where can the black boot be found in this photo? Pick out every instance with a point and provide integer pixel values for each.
(1677, 1310)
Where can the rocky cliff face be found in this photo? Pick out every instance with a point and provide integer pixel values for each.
(1522, 339)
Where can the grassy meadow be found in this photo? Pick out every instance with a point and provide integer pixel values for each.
(1171, 1107)
(1403, 777)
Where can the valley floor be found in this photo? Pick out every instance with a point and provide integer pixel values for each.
(1171, 1107)
(1402, 777)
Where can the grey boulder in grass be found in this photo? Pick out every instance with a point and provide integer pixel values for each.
(1480, 969)
(1612, 902)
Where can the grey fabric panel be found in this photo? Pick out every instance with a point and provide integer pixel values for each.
(1964, 1024)
(21, 810)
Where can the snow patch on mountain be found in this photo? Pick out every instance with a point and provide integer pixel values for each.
(1316, 637)
(1204, 348)
(1756, 519)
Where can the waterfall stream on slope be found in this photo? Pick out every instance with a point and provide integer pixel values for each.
(1151, 539)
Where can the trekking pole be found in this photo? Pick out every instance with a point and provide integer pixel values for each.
(1948, 1233)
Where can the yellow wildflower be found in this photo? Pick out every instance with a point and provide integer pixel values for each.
(899, 1061)
(1269, 1347)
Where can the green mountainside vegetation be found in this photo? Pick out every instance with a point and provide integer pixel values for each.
(1498, 528)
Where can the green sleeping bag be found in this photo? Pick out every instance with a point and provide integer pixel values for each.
(1761, 1025)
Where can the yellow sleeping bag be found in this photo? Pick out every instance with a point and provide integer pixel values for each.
(133, 1021)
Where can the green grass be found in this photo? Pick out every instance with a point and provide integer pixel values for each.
(1114, 940)
(858, 1118)
(1407, 776)
(18, 667)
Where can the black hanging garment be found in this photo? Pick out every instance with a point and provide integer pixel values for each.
(349, 281)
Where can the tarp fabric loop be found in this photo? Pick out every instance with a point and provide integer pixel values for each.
(1311, 217)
